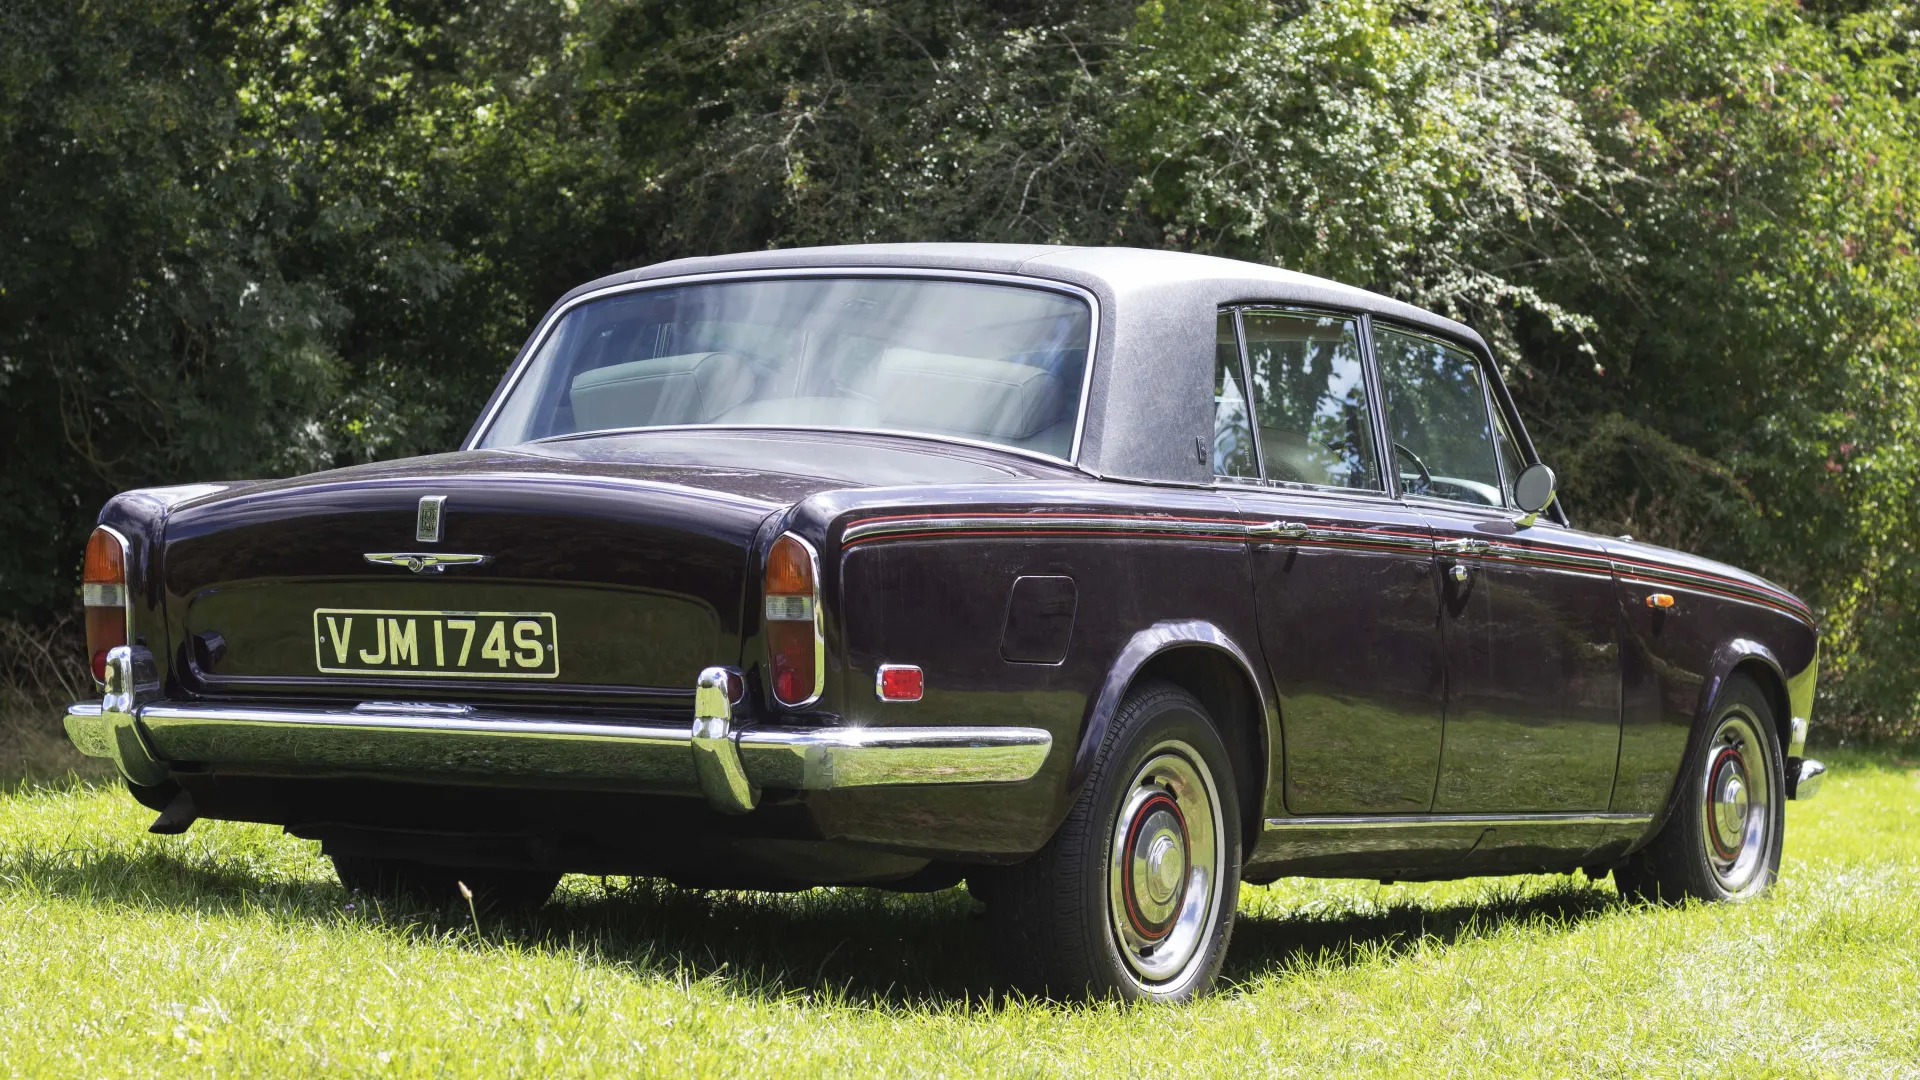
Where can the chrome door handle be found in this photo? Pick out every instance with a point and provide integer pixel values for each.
(1279, 530)
(1462, 547)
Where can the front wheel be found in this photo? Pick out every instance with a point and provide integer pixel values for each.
(1724, 838)
(1134, 896)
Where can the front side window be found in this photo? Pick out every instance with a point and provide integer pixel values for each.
(992, 363)
(1513, 460)
(1443, 443)
(1310, 399)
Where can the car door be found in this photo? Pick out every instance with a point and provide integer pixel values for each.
(1530, 621)
(1343, 574)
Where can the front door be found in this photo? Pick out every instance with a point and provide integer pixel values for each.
(1530, 619)
(1343, 574)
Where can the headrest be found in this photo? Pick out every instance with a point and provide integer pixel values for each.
(966, 394)
(692, 388)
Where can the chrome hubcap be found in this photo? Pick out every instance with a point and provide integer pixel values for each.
(1163, 876)
(1738, 805)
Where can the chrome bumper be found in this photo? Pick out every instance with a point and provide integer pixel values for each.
(728, 765)
(1804, 777)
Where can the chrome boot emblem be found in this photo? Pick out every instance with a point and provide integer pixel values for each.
(423, 561)
(426, 526)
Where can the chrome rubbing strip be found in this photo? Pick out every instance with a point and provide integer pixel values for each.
(1077, 523)
(1430, 821)
(1131, 526)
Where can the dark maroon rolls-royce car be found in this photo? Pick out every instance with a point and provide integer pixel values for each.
(1101, 579)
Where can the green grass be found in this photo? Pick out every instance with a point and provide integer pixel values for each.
(232, 951)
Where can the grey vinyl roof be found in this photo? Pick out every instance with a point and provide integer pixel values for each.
(1118, 269)
(1151, 387)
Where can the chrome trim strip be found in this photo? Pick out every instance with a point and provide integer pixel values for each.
(634, 756)
(1224, 528)
(545, 330)
(1429, 821)
(419, 561)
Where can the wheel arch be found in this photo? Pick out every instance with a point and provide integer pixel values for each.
(1205, 661)
(1740, 656)
(1743, 656)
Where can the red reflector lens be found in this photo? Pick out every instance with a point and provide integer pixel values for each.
(901, 682)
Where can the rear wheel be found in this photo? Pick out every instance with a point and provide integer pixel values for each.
(1724, 838)
(1134, 896)
(439, 886)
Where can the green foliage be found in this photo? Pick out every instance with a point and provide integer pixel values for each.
(260, 236)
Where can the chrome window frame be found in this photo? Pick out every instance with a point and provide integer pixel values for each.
(545, 331)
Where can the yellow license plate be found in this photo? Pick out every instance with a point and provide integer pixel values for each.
(469, 644)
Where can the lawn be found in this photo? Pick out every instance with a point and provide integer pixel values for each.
(232, 951)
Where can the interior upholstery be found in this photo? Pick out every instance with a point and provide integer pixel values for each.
(966, 394)
(692, 388)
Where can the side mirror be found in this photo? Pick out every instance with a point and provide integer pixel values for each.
(1534, 492)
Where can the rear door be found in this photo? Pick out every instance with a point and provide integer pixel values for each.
(1343, 574)
(1530, 621)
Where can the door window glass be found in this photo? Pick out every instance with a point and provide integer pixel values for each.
(1310, 399)
(1513, 460)
(1437, 415)
(1232, 430)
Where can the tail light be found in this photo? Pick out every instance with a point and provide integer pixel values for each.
(103, 589)
(796, 649)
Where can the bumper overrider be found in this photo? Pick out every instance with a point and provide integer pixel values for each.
(729, 765)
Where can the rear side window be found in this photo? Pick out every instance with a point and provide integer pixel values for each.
(1310, 399)
(1232, 424)
(1443, 443)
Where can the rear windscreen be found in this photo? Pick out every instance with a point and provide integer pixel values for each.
(993, 363)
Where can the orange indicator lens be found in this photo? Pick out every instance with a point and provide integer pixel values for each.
(106, 563)
(1660, 601)
(789, 569)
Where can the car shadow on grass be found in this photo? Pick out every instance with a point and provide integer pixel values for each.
(1311, 939)
(863, 947)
